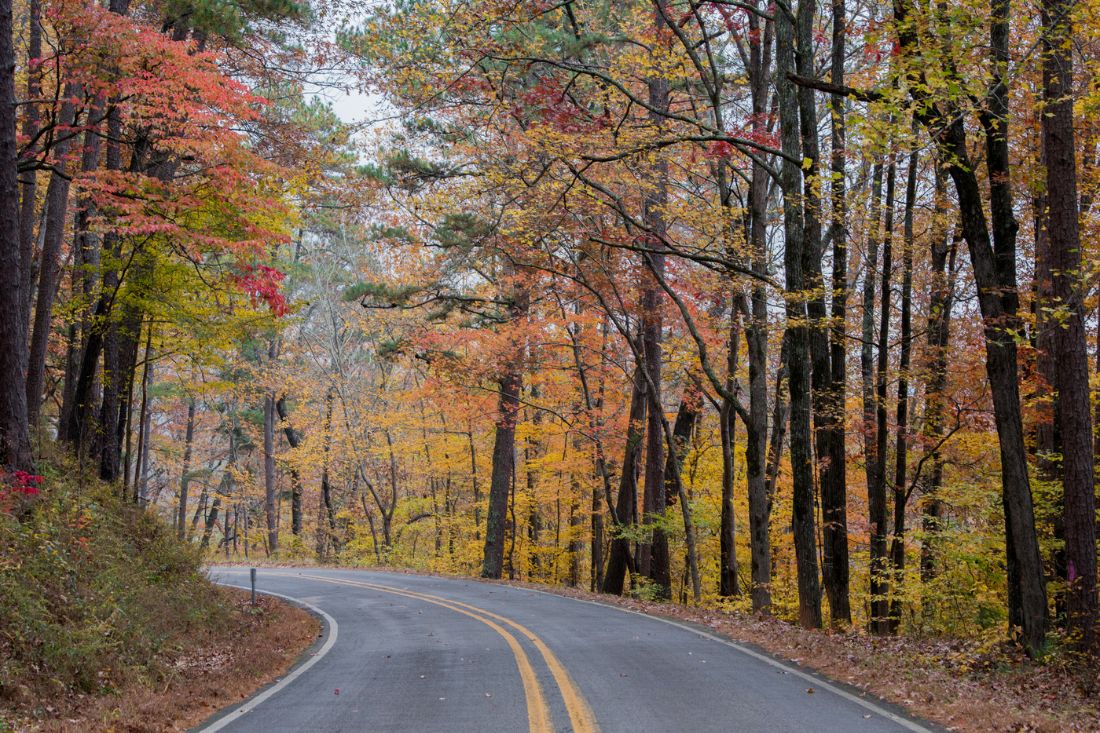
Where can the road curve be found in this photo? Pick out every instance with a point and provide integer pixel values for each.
(422, 654)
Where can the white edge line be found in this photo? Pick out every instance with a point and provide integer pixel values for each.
(239, 711)
(818, 681)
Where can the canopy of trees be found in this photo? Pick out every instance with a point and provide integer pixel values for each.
(788, 306)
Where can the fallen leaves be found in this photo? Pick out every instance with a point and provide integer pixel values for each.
(252, 649)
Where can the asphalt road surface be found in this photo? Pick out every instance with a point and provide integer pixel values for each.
(433, 655)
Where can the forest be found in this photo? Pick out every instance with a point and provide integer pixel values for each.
(784, 307)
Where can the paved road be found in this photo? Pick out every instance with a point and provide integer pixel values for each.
(432, 655)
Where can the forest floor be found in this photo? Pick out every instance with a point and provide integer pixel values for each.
(253, 647)
(964, 685)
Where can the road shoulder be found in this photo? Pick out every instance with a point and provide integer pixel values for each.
(323, 642)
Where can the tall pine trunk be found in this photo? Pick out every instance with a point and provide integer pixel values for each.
(57, 210)
(15, 444)
(500, 481)
(798, 335)
(901, 451)
(832, 438)
(876, 491)
(944, 247)
(1070, 355)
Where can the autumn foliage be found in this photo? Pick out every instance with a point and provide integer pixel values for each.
(765, 306)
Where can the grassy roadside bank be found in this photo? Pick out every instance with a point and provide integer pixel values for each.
(107, 622)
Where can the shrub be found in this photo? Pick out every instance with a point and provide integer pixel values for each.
(93, 591)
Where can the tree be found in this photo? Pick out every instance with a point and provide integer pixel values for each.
(14, 435)
(993, 259)
(1069, 353)
(798, 351)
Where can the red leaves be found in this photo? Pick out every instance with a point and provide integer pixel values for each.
(732, 25)
(24, 482)
(18, 486)
(549, 102)
(719, 149)
(263, 284)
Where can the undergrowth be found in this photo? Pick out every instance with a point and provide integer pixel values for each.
(94, 592)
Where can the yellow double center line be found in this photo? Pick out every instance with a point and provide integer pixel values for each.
(581, 718)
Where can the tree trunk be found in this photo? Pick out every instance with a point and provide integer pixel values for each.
(596, 544)
(475, 486)
(295, 478)
(653, 557)
(99, 437)
(619, 560)
(867, 322)
(28, 180)
(576, 521)
(601, 492)
(269, 473)
(941, 301)
(531, 452)
(141, 477)
(504, 460)
(200, 511)
(57, 210)
(224, 488)
(15, 444)
(685, 508)
(687, 417)
(756, 448)
(111, 457)
(503, 470)
(211, 520)
(1070, 354)
(756, 331)
(901, 452)
(86, 253)
(728, 584)
(325, 498)
(827, 436)
(876, 492)
(185, 477)
(780, 419)
(832, 440)
(103, 336)
(78, 430)
(994, 264)
(798, 352)
(120, 356)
